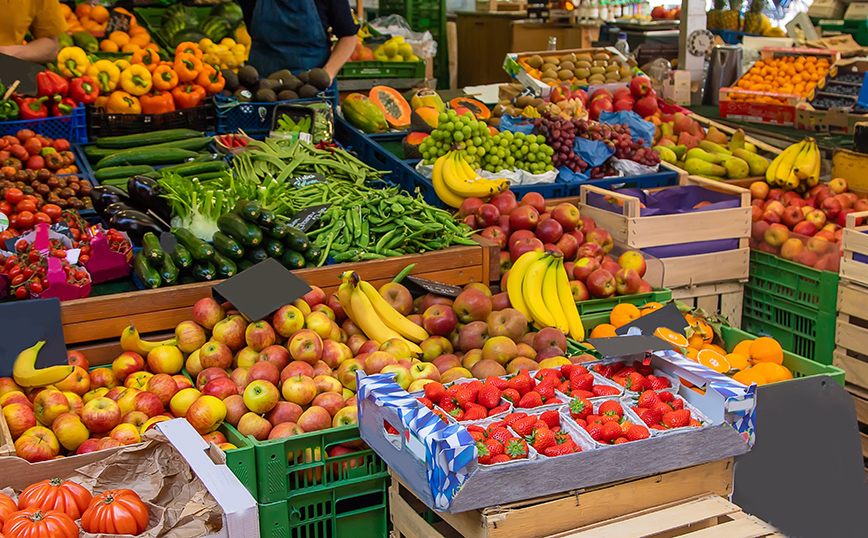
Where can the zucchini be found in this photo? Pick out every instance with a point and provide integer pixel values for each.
(244, 265)
(256, 254)
(273, 247)
(248, 209)
(313, 253)
(296, 240)
(292, 259)
(224, 266)
(146, 156)
(266, 218)
(147, 275)
(151, 247)
(182, 257)
(193, 144)
(200, 250)
(197, 167)
(168, 271)
(187, 279)
(278, 230)
(203, 271)
(227, 246)
(121, 172)
(147, 139)
(246, 233)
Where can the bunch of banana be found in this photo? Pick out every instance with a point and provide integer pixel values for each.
(26, 374)
(364, 305)
(798, 166)
(454, 181)
(539, 288)
(131, 341)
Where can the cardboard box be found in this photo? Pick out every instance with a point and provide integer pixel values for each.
(856, 12)
(676, 88)
(833, 120)
(826, 9)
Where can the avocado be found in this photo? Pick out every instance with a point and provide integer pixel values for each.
(265, 95)
(307, 92)
(248, 75)
(243, 96)
(319, 78)
(303, 76)
(281, 76)
(287, 95)
(231, 80)
(292, 84)
(269, 84)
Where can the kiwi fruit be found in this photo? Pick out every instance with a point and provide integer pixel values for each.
(550, 73)
(537, 102)
(568, 65)
(549, 80)
(583, 63)
(583, 82)
(568, 58)
(498, 110)
(601, 56)
(626, 79)
(535, 61)
(494, 122)
(548, 67)
(565, 74)
(512, 111)
(523, 100)
(611, 68)
(596, 79)
(600, 63)
(626, 73)
(582, 72)
(584, 58)
(614, 77)
(597, 71)
(542, 108)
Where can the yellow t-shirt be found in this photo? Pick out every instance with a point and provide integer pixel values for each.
(42, 18)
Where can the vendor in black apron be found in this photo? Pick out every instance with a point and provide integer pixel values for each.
(293, 34)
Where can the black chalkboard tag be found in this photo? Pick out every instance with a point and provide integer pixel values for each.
(21, 70)
(429, 286)
(24, 324)
(629, 346)
(308, 179)
(61, 228)
(307, 217)
(117, 21)
(168, 242)
(669, 317)
(261, 290)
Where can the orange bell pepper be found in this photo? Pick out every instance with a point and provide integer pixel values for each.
(187, 66)
(165, 78)
(157, 103)
(188, 95)
(190, 48)
(211, 79)
(147, 57)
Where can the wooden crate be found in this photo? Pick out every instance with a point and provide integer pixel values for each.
(851, 333)
(860, 401)
(854, 241)
(638, 232)
(7, 448)
(534, 518)
(725, 298)
(500, 5)
(154, 311)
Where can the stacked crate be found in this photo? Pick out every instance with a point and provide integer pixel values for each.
(422, 16)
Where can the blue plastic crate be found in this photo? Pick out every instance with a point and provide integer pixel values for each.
(666, 178)
(85, 170)
(252, 118)
(73, 128)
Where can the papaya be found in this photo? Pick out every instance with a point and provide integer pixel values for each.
(363, 114)
(411, 145)
(427, 98)
(424, 119)
(478, 109)
(395, 108)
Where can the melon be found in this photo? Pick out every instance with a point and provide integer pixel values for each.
(479, 110)
(411, 145)
(424, 119)
(396, 109)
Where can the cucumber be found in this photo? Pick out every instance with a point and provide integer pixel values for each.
(200, 250)
(245, 232)
(224, 266)
(227, 246)
(168, 271)
(147, 139)
(313, 253)
(248, 209)
(121, 172)
(193, 144)
(292, 259)
(244, 265)
(273, 247)
(278, 230)
(182, 257)
(203, 271)
(256, 254)
(266, 218)
(94, 154)
(197, 167)
(147, 275)
(296, 240)
(151, 247)
(146, 156)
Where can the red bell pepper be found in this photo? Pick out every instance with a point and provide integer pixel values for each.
(83, 90)
(63, 107)
(49, 83)
(34, 108)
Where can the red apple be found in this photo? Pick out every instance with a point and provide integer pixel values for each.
(640, 87)
(601, 283)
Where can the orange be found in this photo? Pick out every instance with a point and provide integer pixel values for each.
(765, 349)
(121, 38)
(138, 30)
(743, 348)
(714, 347)
(706, 330)
(130, 47)
(141, 40)
(773, 372)
(690, 353)
(737, 361)
(623, 314)
(714, 360)
(66, 10)
(647, 308)
(107, 45)
(695, 341)
(676, 339)
(746, 377)
(82, 10)
(99, 14)
(603, 330)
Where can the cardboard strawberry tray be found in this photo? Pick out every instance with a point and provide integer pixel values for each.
(439, 461)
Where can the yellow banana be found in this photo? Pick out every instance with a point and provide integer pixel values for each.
(371, 324)
(515, 282)
(25, 373)
(449, 198)
(131, 341)
(464, 187)
(532, 289)
(788, 158)
(345, 291)
(565, 297)
(805, 161)
(391, 317)
(771, 172)
(471, 175)
(550, 295)
(814, 177)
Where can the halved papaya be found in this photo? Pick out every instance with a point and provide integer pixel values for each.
(479, 110)
(424, 119)
(411, 145)
(396, 109)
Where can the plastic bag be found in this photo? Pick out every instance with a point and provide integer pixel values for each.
(593, 152)
(514, 124)
(632, 168)
(423, 43)
(639, 128)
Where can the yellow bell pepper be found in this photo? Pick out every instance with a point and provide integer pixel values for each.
(136, 79)
(101, 101)
(72, 62)
(123, 103)
(122, 63)
(106, 75)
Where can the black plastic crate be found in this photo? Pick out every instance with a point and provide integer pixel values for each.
(101, 123)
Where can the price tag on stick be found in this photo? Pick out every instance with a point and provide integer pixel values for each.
(261, 290)
(117, 22)
(429, 286)
(307, 217)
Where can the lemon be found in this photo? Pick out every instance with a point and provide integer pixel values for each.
(389, 48)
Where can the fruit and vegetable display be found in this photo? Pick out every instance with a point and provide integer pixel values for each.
(87, 25)
(248, 86)
(785, 74)
(584, 69)
(223, 27)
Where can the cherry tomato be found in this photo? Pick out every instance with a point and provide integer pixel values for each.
(25, 219)
(6, 208)
(21, 245)
(76, 233)
(13, 220)
(25, 205)
(85, 249)
(10, 261)
(34, 255)
(31, 198)
(27, 273)
(14, 195)
(14, 271)
(18, 279)
(59, 253)
(80, 275)
(41, 217)
(83, 258)
(21, 293)
(36, 287)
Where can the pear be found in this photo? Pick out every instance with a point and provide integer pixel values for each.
(704, 168)
(711, 147)
(737, 140)
(716, 135)
(736, 168)
(666, 154)
(680, 151)
(750, 147)
(701, 154)
(758, 164)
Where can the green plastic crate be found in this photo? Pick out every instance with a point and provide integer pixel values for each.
(292, 467)
(149, 17)
(794, 282)
(802, 330)
(355, 511)
(242, 460)
(376, 69)
(593, 306)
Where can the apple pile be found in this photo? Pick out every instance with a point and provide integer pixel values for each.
(638, 97)
(660, 12)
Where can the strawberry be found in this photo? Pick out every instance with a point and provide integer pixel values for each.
(582, 382)
(620, 441)
(660, 427)
(604, 390)
(581, 408)
(677, 404)
(512, 395)
(548, 373)
(477, 436)
(635, 382)
(513, 417)
(500, 433)
(562, 437)
(665, 396)
(595, 430)
(522, 383)
(487, 450)
(499, 409)
(611, 407)
(515, 448)
(581, 394)
(677, 419)
(593, 418)
(620, 379)
(625, 426)
(476, 413)
(554, 401)
(390, 429)
(493, 426)
(643, 369)
(530, 400)
(659, 383)
(561, 450)
(564, 387)
(434, 391)
(542, 439)
(609, 418)
(500, 458)
(448, 405)
(552, 418)
(626, 370)
(489, 396)
(442, 415)
(694, 423)
(662, 408)
(472, 405)
(611, 431)
(500, 383)
(475, 428)
(474, 387)
(651, 416)
(450, 392)
(569, 370)
(524, 426)
(648, 399)
(607, 371)
(637, 432)
(426, 402)
(546, 389)
(581, 422)
(540, 425)
(457, 414)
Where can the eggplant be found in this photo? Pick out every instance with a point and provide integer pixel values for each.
(105, 195)
(135, 223)
(114, 208)
(146, 193)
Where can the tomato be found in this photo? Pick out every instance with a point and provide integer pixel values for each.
(21, 245)
(25, 205)
(21, 293)
(41, 217)
(19, 279)
(52, 210)
(80, 275)
(30, 197)
(27, 272)
(34, 256)
(56, 494)
(36, 287)
(25, 218)
(7, 506)
(83, 258)
(117, 511)
(14, 271)
(10, 261)
(13, 220)
(5, 207)
(14, 195)
(30, 523)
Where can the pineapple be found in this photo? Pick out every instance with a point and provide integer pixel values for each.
(753, 19)
(730, 18)
(713, 16)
